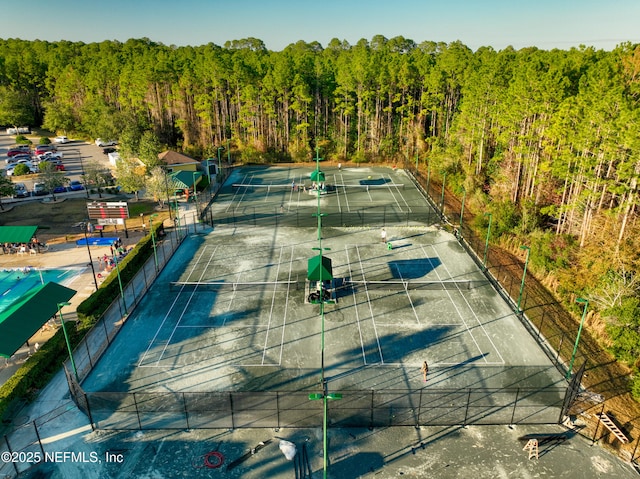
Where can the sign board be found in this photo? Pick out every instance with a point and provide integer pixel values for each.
(106, 210)
(110, 221)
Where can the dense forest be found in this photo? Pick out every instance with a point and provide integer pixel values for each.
(547, 141)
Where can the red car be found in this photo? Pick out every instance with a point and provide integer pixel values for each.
(40, 149)
(16, 151)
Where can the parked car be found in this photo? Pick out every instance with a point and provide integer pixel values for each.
(57, 164)
(61, 139)
(17, 159)
(108, 150)
(17, 151)
(39, 189)
(50, 154)
(40, 149)
(21, 190)
(75, 185)
(21, 130)
(32, 169)
(60, 189)
(101, 143)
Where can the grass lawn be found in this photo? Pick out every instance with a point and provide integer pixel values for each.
(57, 220)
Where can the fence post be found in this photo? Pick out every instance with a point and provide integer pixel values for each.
(515, 405)
(86, 400)
(233, 424)
(35, 428)
(15, 464)
(186, 412)
(135, 403)
(466, 411)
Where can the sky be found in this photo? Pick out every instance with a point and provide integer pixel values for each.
(545, 24)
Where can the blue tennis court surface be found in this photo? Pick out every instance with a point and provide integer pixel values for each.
(16, 282)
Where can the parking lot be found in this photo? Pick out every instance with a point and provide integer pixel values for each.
(77, 154)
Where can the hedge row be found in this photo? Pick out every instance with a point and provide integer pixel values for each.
(36, 372)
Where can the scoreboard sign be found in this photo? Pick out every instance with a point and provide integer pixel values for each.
(108, 210)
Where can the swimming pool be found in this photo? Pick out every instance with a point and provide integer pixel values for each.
(16, 282)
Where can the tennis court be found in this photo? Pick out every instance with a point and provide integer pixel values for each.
(231, 313)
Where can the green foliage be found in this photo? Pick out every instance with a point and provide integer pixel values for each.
(23, 140)
(21, 169)
(95, 305)
(635, 387)
(550, 252)
(44, 140)
(624, 328)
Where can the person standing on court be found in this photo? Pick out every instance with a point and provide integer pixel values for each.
(383, 235)
(424, 370)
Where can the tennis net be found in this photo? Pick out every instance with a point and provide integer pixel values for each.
(187, 286)
(415, 285)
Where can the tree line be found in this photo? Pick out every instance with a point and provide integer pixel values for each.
(547, 140)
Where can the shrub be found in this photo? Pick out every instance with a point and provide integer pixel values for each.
(21, 169)
(22, 140)
(44, 140)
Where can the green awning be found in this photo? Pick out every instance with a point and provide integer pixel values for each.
(185, 179)
(317, 175)
(17, 234)
(20, 320)
(317, 270)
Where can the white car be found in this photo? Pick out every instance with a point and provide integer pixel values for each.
(101, 143)
(61, 139)
(32, 169)
(48, 155)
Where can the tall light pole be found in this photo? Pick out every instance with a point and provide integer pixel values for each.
(153, 240)
(84, 227)
(195, 195)
(524, 274)
(575, 346)
(115, 260)
(444, 180)
(464, 196)
(66, 338)
(486, 243)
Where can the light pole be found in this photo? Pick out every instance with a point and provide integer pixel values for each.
(115, 260)
(464, 196)
(325, 397)
(153, 240)
(444, 179)
(575, 346)
(66, 338)
(195, 195)
(84, 227)
(486, 244)
(220, 164)
(524, 275)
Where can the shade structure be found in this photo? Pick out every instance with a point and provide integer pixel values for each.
(319, 268)
(17, 234)
(20, 320)
(183, 179)
(317, 175)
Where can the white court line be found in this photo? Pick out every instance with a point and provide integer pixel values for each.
(273, 302)
(344, 192)
(168, 313)
(355, 305)
(373, 320)
(394, 196)
(399, 194)
(185, 309)
(286, 307)
(455, 306)
(237, 191)
(474, 315)
(338, 195)
(408, 296)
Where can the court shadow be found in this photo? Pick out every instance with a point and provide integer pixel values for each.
(405, 269)
(358, 465)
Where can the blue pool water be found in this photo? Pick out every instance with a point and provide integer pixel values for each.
(15, 282)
